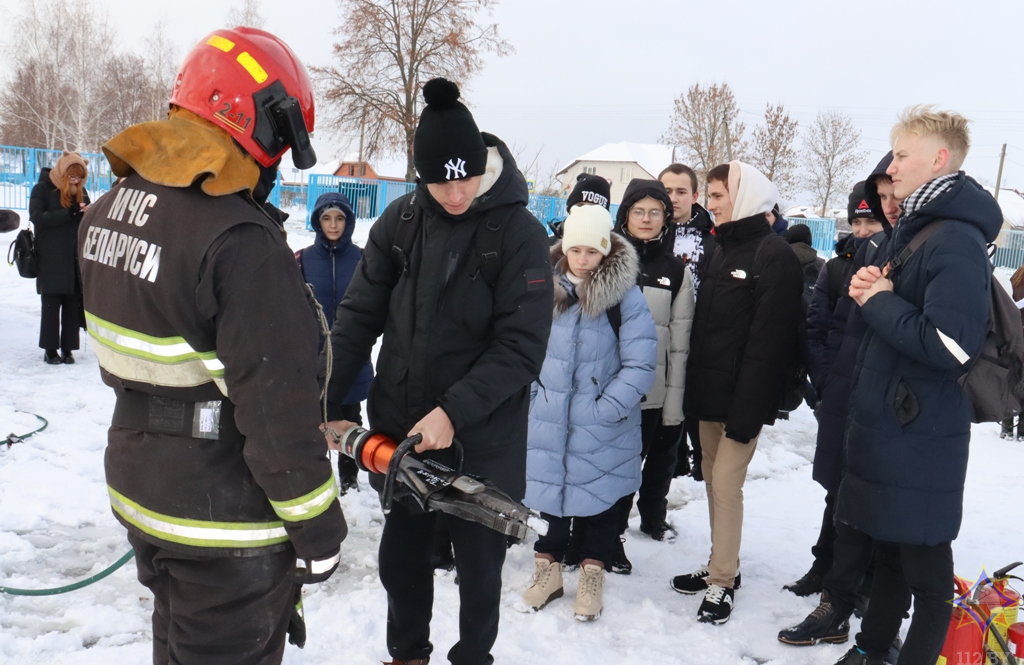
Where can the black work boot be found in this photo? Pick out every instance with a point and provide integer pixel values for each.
(824, 624)
(808, 585)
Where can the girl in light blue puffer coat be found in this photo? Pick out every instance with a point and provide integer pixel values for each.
(584, 434)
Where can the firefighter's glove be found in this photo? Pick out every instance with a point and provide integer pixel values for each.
(314, 571)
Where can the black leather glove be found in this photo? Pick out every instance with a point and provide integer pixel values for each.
(314, 571)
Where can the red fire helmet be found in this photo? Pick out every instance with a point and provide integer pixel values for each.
(250, 83)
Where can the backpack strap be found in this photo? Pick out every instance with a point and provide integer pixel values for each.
(405, 235)
(487, 262)
(755, 267)
(614, 314)
(914, 245)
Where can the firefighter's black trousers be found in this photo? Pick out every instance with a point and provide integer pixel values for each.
(217, 611)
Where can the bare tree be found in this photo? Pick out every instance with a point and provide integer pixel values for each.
(130, 91)
(528, 163)
(388, 49)
(161, 68)
(56, 94)
(832, 156)
(247, 15)
(705, 126)
(548, 183)
(772, 150)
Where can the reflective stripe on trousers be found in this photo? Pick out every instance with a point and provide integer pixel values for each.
(197, 533)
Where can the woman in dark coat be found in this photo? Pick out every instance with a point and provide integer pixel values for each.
(55, 209)
(327, 265)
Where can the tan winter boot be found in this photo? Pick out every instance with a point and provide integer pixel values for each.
(589, 593)
(546, 584)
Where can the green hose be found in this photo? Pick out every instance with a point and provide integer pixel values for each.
(13, 438)
(18, 438)
(70, 587)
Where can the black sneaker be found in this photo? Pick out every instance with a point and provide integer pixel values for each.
(716, 607)
(620, 564)
(51, 357)
(697, 581)
(808, 585)
(824, 624)
(857, 657)
(67, 358)
(663, 532)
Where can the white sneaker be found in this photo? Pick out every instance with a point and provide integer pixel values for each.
(589, 593)
(546, 584)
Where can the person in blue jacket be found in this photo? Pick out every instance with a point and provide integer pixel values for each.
(910, 422)
(584, 442)
(327, 266)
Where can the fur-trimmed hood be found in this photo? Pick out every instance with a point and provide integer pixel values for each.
(605, 286)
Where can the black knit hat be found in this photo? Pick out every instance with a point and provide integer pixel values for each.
(858, 205)
(637, 189)
(590, 189)
(447, 145)
(799, 233)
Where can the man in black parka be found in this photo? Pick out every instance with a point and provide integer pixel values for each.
(745, 333)
(457, 358)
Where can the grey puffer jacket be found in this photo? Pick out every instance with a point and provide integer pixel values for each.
(583, 450)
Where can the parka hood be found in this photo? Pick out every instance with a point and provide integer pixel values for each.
(333, 200)
(604, 286)
(871, 190)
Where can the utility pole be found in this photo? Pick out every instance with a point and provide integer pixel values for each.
(728, 138)
(999, 178)
(362, 134)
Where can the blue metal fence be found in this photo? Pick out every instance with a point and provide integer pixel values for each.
(823, 232)
(19, 171)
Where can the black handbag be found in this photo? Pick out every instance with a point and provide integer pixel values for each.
(23, 254)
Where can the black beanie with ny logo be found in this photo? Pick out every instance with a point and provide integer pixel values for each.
(447, 145)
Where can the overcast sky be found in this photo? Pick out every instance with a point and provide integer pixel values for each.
(589, 72)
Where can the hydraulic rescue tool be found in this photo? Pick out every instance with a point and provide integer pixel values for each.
(433, 485)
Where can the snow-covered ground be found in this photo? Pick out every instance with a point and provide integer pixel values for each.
(56, 528)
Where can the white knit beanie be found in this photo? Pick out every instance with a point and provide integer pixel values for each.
(588, 226)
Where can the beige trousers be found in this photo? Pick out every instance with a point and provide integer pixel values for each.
(725, 470)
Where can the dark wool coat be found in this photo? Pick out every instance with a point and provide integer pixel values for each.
(56, 231)
(910, 423)
(821, 309)
(744, 330)
(449, 339)
(328, 269)
(834, 339)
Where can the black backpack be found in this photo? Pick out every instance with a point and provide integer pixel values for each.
(24, 255)
(993, 381)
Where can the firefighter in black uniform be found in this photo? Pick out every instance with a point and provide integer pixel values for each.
(214, 462)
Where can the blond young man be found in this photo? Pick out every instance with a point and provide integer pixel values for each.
(909, 427)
